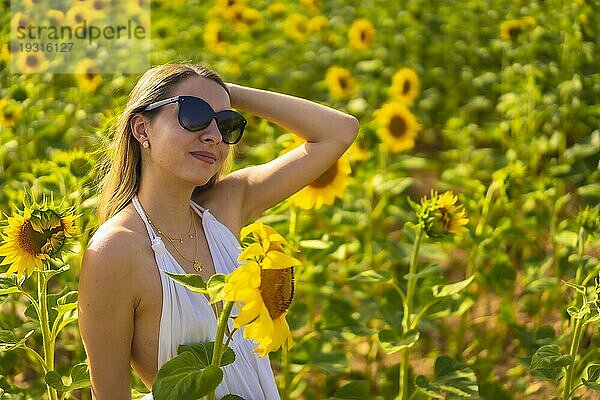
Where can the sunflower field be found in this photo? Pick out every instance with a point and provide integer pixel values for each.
(451, 253)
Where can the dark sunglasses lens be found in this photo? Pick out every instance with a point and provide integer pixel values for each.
(194, 114)
(231, 125)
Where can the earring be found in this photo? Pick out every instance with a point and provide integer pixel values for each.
(145, 144)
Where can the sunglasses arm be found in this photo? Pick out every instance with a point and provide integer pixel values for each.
(161, 103)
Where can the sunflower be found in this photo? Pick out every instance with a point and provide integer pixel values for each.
(31, 63)
(589, 219)
(55, 17)
(4, 53)
(264, 284)
(9, 113)
(296, 26)
(361, 34)
(405, 85)
(236, 14)
(213, 38)
(79, 13)
(327, 187)
(78, 162)
(339, 82)
(441, 216)
(20, 20)
(510, 29)
(276, 9)
(100, 5)
(397, 126)
(312, 5)
(358, 152)
(253, 18)
(317, 24)
(35, 237)
(87, 75)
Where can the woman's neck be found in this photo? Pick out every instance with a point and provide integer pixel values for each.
(167, 207)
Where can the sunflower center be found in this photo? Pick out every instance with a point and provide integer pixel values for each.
(98, 5)
(406, 87)
(34, 242)
(398, 126)
(363, 36)
(514, 31)
(90, 74)
(343, 83)
(79, 18)
(32, 61)
(326, 178)
(277, 290)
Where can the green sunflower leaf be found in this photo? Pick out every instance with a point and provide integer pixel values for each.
(452, 288)
(194, 282)
(452, 380)
(593, 377)
(356, 390)
(184, 377)
(215, 286)
(315, 244)
(392, 342)
(204, 351)
(79, 377)
(8, 340)
(548, 364)
(372, 276)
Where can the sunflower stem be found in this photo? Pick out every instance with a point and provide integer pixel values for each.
(579, 323)
(285, 361)
(293, 221)
(403, 392)
(47, 338)
(218, 348)
(573, 352)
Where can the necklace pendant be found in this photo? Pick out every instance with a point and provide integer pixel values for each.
(180, 241)
(197, 266)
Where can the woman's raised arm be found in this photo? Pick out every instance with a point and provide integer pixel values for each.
(328, 133)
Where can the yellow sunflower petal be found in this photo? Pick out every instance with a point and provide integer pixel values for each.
(278, 260)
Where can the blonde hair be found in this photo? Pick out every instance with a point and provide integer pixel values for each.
(120, 166)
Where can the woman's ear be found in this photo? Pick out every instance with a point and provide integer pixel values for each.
(138, 127)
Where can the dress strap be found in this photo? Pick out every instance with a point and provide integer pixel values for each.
(140, 210)
(198, 207)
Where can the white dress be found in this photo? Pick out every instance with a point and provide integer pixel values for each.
(188, 317)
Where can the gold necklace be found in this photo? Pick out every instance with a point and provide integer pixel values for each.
(173, 239)
(195, 263)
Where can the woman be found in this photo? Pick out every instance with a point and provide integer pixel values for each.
(172, 145)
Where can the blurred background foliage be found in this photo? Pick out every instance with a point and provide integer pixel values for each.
(505, 114)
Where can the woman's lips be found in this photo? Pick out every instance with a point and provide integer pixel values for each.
(205, 156)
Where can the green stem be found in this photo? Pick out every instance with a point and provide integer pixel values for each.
(218, 347)
(580, 252)
(293, 221)
(47, 339)
(407, 319)
(574, 349)
(285, 361)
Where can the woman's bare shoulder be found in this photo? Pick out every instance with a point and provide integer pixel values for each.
(116, 246)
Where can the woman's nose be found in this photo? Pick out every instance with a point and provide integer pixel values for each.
(211, 134)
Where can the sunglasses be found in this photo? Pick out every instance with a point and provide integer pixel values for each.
(196, 114)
